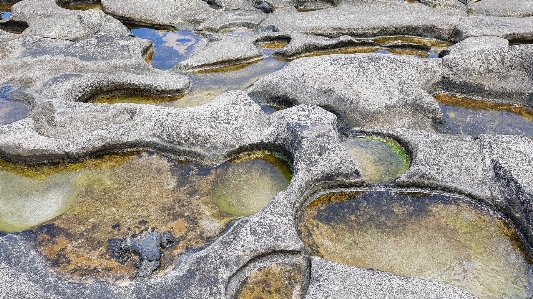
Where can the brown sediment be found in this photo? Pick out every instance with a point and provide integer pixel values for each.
(334, 197)
(84, 6)
(342, 50)
(468, 103)
(273, 44)
(225, 68)
(411, 52)
(403, 39)
(42, 171)
(277, 281)
(135, 99)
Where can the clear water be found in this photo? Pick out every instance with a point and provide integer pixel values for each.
(378, 159)
(11, 110)
(431, 236)
(474, 117)
(170, 47)
(76, 208)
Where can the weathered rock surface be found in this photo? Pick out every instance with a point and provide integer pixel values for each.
(332, 280)
(511, 8)
(78, 71)
(475, 44)
(168, 13)
(500, 73)
(369, 90)
(368, 19)
(66, 58)
(229, 50)
(47, 19)
(226, 20)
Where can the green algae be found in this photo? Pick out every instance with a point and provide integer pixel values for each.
(436, 237)
(120, 195)
(277, 281)
(378, 159)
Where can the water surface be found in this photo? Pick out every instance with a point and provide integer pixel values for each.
(431, 236)
(77, 208)
(474, 117)
(170, 47)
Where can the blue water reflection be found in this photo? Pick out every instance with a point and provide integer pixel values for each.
(171, 47)
(11, 110)
(5, 15)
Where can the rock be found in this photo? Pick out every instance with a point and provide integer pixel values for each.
(46, 19)
(509, 8)
(456, 4)
(146, 267)
(264, 6)
(503, 74)
(369, 19)
(389, 90)
(169, 13)
(229, 50)
(473, 44)
(332, 280)
(508, 28)
(57, 69)
(228, 19)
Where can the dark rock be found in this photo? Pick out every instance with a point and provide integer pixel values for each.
(167, 240)
(264, 6)
(146, 267)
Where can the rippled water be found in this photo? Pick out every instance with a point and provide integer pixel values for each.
(431, 236)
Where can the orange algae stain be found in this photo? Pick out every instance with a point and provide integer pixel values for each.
(403, 39)
(148, 57)
(225, 68)
(333, 197)
(420, 54)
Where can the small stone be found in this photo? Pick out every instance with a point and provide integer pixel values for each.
(263, 6)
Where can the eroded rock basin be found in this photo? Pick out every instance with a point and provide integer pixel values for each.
(437, 237)
(473, 117)
(126, 215)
